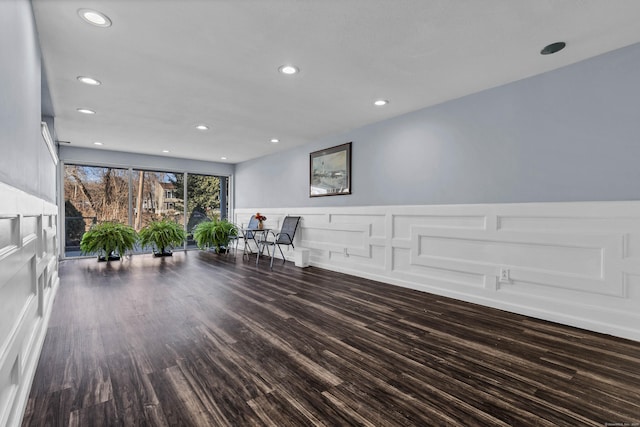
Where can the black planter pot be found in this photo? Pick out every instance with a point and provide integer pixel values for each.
(215, 250)
(111, 257)
(163, 253)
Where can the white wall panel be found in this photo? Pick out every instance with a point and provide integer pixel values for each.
(28, 282)
(576, 263)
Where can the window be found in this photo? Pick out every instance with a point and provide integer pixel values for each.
(92, 195)
(95, 194)
(203, 201)
(154, 188)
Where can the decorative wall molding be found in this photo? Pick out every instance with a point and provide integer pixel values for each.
(576, 263)
(28, 284)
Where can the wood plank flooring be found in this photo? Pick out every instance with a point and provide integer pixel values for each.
(199, 339)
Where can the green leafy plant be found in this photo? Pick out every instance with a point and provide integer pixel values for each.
(108, 238)
(162, 235)
(214, 233)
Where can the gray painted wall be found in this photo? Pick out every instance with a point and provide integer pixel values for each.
(27, 165)
(25, 162)
(567, 135)
(77, 155)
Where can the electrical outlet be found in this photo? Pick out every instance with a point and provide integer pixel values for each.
(505, 275)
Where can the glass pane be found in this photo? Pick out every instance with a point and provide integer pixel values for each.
(203, 200)
(154, 199)
(92, 194)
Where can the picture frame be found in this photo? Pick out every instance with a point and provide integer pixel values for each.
(330, 171)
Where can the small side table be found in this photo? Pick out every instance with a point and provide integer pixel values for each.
(254, 232)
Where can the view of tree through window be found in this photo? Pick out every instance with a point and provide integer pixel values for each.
(97, 194)
(155, 198)
(93, 194)
(203, 199)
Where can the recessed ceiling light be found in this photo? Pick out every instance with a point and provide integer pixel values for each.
(97, 143)
(288, 69)
(553, 48)
(274, 140)
(202, 127)
(380, 102)
(94, 17)
(89, 81)
(223, 158)
(165, 151)
(85, 111)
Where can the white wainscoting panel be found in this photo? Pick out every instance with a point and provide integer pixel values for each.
(573, 263)
(28, 283)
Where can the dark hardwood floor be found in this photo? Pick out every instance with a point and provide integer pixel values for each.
(200, 339)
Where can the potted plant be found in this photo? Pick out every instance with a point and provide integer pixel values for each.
(162, 235)
(110, 240)
(215, 233)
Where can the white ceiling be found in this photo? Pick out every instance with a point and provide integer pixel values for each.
(167, 65)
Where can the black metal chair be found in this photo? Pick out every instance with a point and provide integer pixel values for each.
(250, 235)
(283, 238)
(234, 238)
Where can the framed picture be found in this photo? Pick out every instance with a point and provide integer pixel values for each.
(330, 171)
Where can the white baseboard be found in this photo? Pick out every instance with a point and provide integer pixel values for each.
(574, 263)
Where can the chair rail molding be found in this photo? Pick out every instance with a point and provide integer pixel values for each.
(576, 263)
(28, 284)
